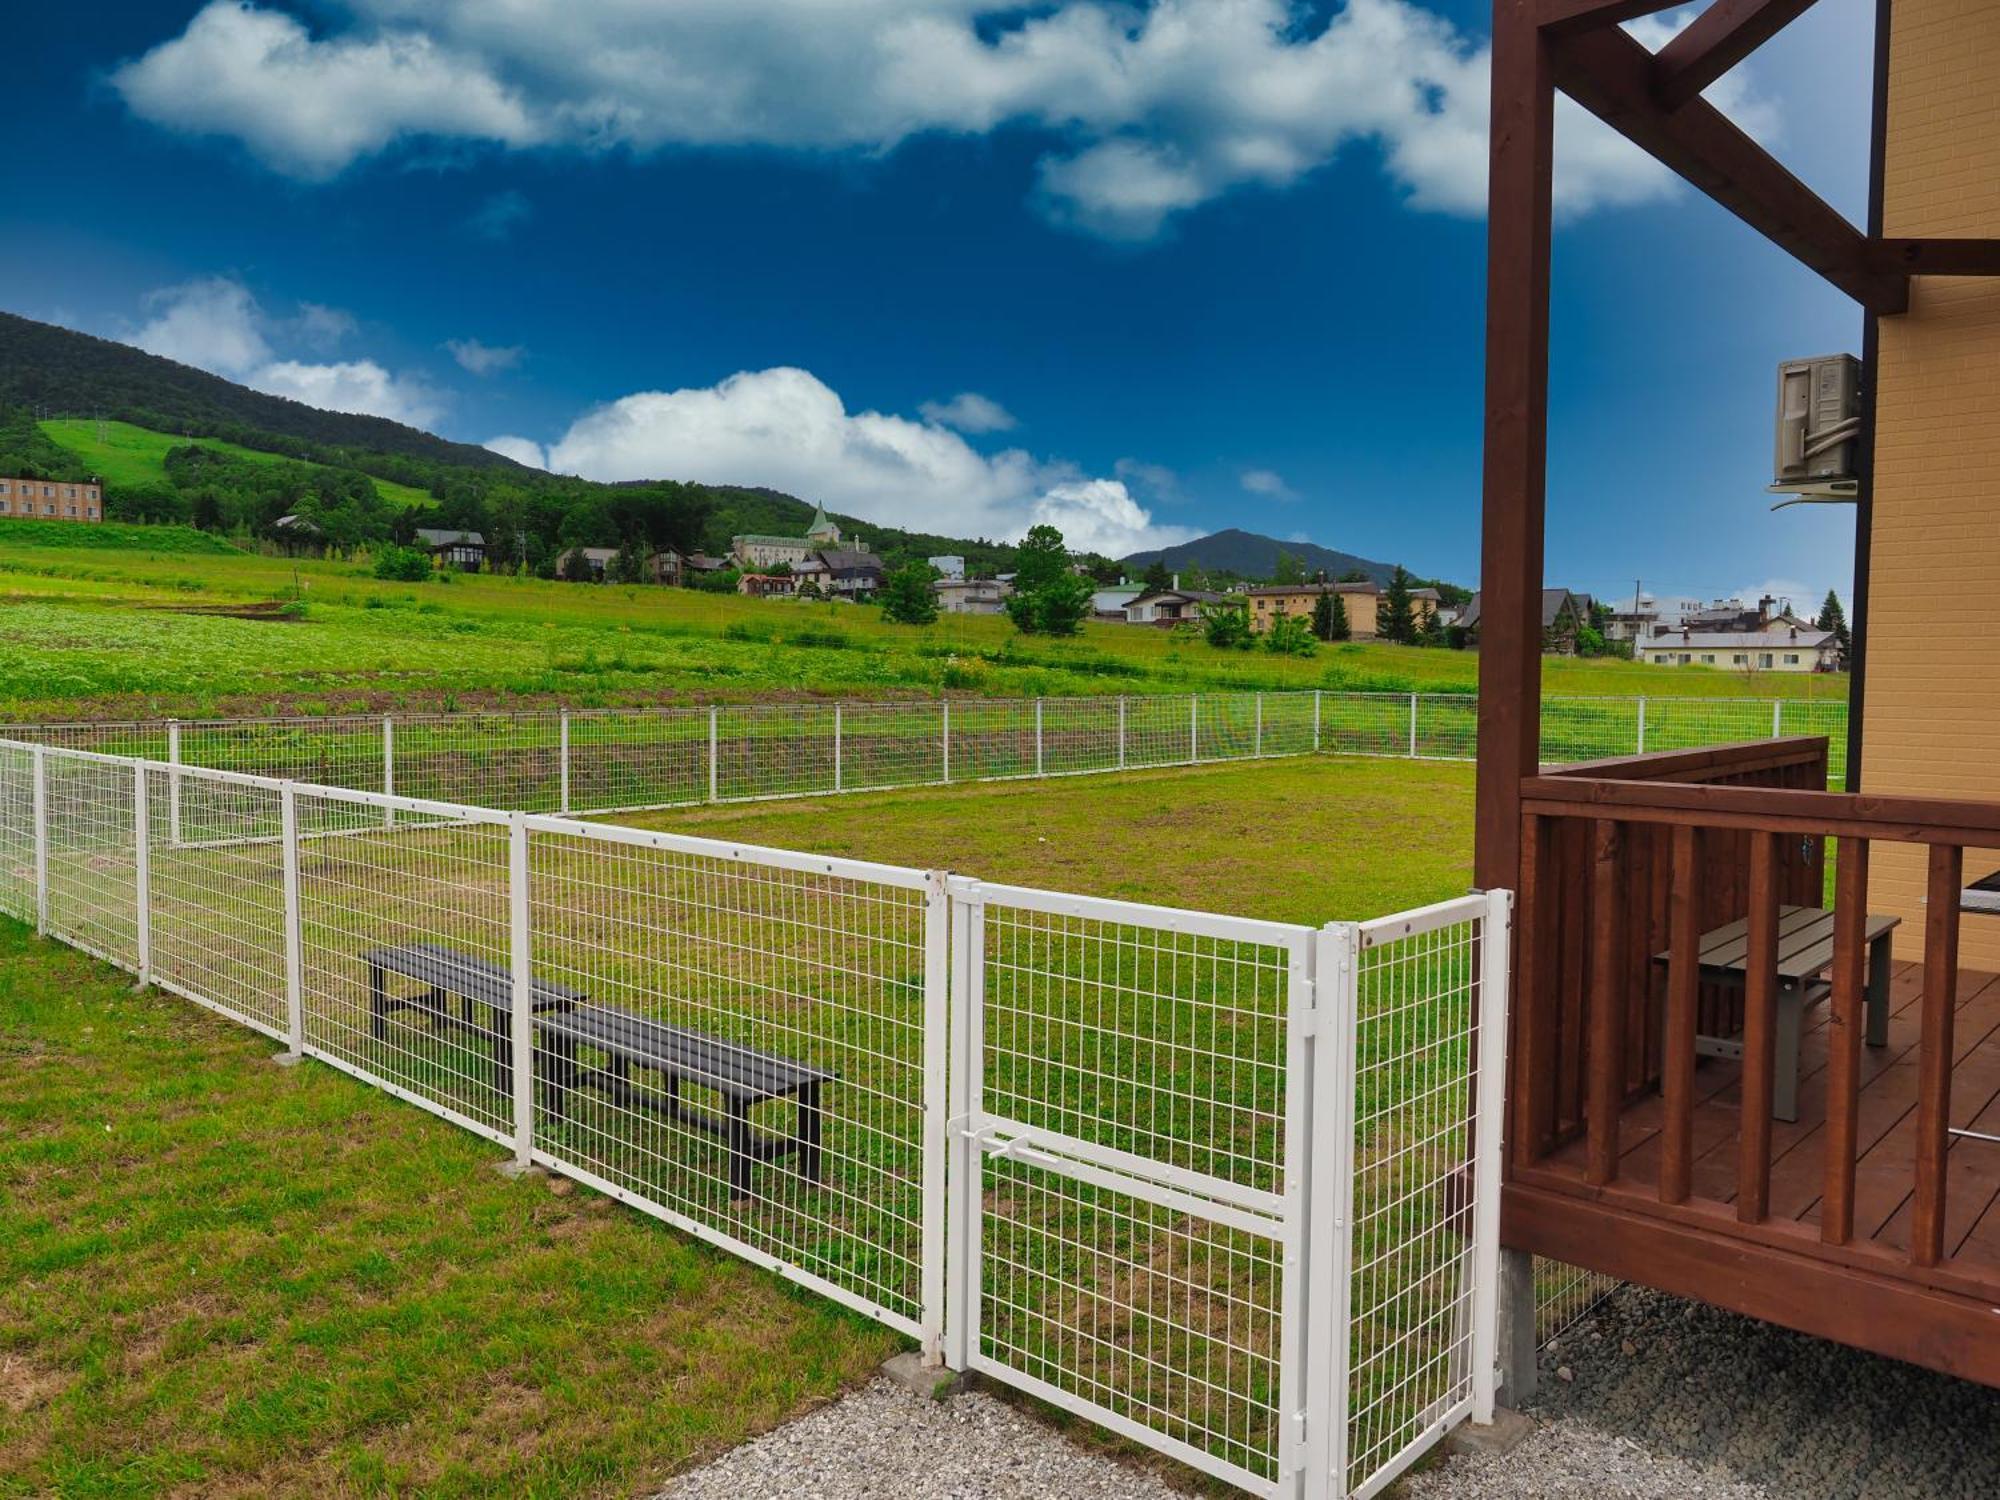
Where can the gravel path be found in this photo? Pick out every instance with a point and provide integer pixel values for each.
(1653, 1396)
(887, 1444)
(1650, 1398)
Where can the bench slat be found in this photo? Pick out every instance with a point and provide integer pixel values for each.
(736, 1071)
(464, 974)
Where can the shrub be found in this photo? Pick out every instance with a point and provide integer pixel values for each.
(403, 564)
(907, 598)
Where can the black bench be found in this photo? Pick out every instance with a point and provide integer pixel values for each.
(567, 1019)
(445, 972)
(743, 1076)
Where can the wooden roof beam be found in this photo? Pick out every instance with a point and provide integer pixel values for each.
(1937, 257)
(1567, 17)
(1611, 75)
(1716, 41)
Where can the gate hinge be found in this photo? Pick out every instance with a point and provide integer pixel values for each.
(1306, 996)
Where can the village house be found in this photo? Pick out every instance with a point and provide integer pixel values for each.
(972, 596)
(1363, 601)
(599, 563)
(755, 551)
(840, 573)
(463, 550)
(1564, 614)
(1779, 648)
(51, 500)
(1170, 606)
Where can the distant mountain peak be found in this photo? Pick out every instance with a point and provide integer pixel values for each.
(1251, 554)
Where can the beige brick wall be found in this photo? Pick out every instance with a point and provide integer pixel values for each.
(1933, 687)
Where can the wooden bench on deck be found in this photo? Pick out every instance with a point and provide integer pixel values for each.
(1805, 952)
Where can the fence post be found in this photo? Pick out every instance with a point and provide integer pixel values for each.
(836, 747)
(1257, 745)
(1413, 726)
(1194, 728)
(965, 1189)
(142, 875)
(1121, 731)
(562, 754)
(938, 1030)
(1777, 718)
(713, 714)
(41, 797)
(1496, 943)
(288, 854)
(1317, 695)
(521, 1028)
(1642, 727)
(174, 781)
(945, 737)
(388, 768)
(1330, 1208)
(1038, 736)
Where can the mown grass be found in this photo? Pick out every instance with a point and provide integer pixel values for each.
(128, 455)
(86, 645)
(1296, 840)
(219, 1277)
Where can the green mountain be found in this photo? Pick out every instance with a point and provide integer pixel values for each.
(174, 445)
(1248, 554)
(59, 372)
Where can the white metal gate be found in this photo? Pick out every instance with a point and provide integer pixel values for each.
(1131, 1098)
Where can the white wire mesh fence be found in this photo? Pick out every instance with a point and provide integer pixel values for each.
(603, 760)
(1078, 1144)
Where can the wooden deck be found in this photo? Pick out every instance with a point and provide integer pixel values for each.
(1885, 1138)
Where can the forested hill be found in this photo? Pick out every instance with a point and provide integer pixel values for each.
(65, 373)
(1248, 554)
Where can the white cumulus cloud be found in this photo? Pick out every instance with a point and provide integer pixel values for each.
(357, 385)
(787, 429)
(521, 450)
(1147, 110)
(1269, 483)
(309, 107)
(216, 324)
(484, 359)
(212, 323)
(971, 412)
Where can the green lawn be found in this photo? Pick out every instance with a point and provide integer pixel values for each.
(128, 455)
(218, 1276)
(1297, 840)
(92, 639)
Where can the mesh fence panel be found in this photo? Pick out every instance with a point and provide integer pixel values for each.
(488, 760)
(215, 861)
(1365, 724)
(404, 953)
(894, 744)
(1164, 1050)
(18, 887)
(93, 856)
(779, 750)
(991, 738)
(1412, 1259)
(1079, 734)
(654, 759)
(739, 1044)
(1228, 726)
(1448, 726)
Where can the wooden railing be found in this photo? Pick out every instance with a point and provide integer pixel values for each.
(1627, 859)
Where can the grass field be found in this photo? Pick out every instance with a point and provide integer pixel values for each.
(221, 1277)
(93, 640)
(127, 455)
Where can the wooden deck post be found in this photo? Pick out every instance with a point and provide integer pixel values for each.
(1522, 151)
(1517, 419)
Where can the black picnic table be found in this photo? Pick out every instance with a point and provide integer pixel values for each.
(1805, 952)
(567, 1020)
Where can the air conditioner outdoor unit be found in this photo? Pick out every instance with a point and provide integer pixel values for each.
(1819, 429)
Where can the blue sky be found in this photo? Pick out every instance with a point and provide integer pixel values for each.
(1143, 271)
